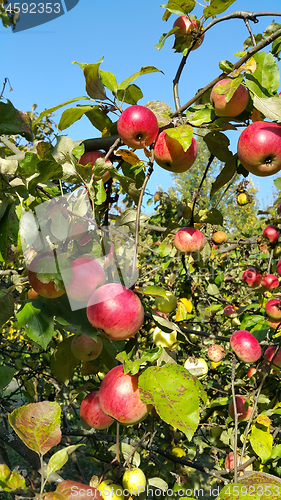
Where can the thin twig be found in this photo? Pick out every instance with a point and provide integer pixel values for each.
(197, 193)
(234, 360)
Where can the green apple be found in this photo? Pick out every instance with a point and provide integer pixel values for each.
(111, 491)
(166, 304)
(134, 481)
(164, 339)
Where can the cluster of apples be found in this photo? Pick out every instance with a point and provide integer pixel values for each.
(117, 399)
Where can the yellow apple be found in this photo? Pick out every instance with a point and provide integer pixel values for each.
(134, 481)
(111, 491)
(166, 304)
(197, 367)
(164, 339)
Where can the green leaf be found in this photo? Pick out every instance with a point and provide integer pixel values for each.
(94, 85)
(175, 393)
(131, 95)
(6, 306)
(162, 111)
(11, 480)
(6, 375)
(98, 118)
(37, 425)
(249, 42)
(28, 166)
(213, 216)
(38, 325)
(126, 451)
(51, 110)
(63, 362)
(270, 107)
(143, 71)
(261, 441)
(183, 134)
(71, 115)
(9, 231)
(218, 145)
(228, 89)
(178, 7)
(108, 80)
(216, 7)
(276, 47)
(154, 291)
(164, 324)
(212, 289)
(60, 458)
(164, 37)
(277, 183)
(228, 171)
(13, 121)
(99, 192)
(264, 82)
(199, 114)
(226, 66)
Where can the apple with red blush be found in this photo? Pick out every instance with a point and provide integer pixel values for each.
(271, 233)
(269, 353)
(243, 410)
(92, 157)
(251, 371)
(230, 311)
(138, 127)
(187, 29)
(273, 309)
(44, 277)
(252, 277)
(92, 414)
(228, 107)
(85, 348)
(245, 346)
(216, 353)
(270, 282)
(170, 155)
(189, 239)
(86, 275)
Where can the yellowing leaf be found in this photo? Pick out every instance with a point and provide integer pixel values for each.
(256, 115)
(128, 156)
(250, 66)
(264, 420)
(187, 304)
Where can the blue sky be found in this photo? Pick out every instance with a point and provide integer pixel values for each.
(38, 61)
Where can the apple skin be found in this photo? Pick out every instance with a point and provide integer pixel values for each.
(115, 310)
(242, 199)
(269, 355)
(91, 157)
(220, 237)
(134, 481)
(242, 410)
(43, 264)
(269, 282)
(164, 339)
(259, 148)
(120, 399)
(278, 269)
(73, 490)
(251, 371)
(189, 239)
(230, 311)
(166, 305)
(230, 462)
(85, 348)
(245, 346)
(170, 155)
(87, 275)
(271, 232)
(197, 367)
(137, 126)
(236, 104)
(252, 277)
(273, 309)
(31, 294)
(92, 414)
(216, 353)
(186, 26)
(109, 491)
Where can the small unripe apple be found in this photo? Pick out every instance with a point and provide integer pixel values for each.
(44, 277)
(269, 282)
(166, 304)
(170, 155)
(134, 481)
(85, 348)
(92, 414)
(91, 157)
(243, 199)
(235, 105)
(245, 346)
(216, 353)
(197, 367)
(178, 452)
(189, 239)
(186, 27)
(164, 339)
(252, 277)
(230, 311)
(220, 237)
(137, 126)
(273, 309)
(251, 371)
(111, 491)
(271, 232)
(242, 409)
(86, 275)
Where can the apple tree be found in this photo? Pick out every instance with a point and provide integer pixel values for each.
(145, 348)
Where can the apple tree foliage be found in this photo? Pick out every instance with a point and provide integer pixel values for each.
(183, 442)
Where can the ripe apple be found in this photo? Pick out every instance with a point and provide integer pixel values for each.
(85, 348)
(230, 463)
(197, 367)
(134, 481)
(216, 353)
(242, 409)
(278, 269)
(73, 490)
(251, 371)
(245, 346)
(252, 277)
(166, 304)
(186, 27)
(170, 155)
(120, 399)
(92, 414)
(235, 105)
(31, 294)
(87, 274)
(259, 148)
(91, 157)
(269, 282)
(189, 239)
(115, 310)
(274, 323)
(271, 232)
(220, 237)
(164, 339)
(137, 126)
(269, 353)
(273, 309)
(230, 311)
(44, 277)
(111, 491)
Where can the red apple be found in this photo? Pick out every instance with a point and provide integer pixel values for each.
(235, 105)
(44, 277)
(71, 490)
(137, 126)
(273, 309)
(259, 148)
(220, 237)
(274, 323)
(242, 409)
(269, 355)
(115, 310)
(216, 353)
(278, 269)
(230, 462)
(120, 399)
(85, 348)
(269, 282)
(230, 311)
(251, 371)
(252, 277)
(271, 232)
(245, 346)
(91, 157)
(87, 275)
(92, 414)
(189, 239)
(170, 155)
(186, 27)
